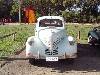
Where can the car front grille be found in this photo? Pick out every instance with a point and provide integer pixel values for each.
(49, 52)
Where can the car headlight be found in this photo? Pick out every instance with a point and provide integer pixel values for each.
(30, 43)
(71, 40)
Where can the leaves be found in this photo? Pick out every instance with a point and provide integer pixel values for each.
(15, 7)
(53, 7)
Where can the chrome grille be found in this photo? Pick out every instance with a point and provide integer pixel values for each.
(49, 52)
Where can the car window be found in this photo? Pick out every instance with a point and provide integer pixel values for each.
(50, 22)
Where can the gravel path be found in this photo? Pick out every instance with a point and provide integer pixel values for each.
(87, 63)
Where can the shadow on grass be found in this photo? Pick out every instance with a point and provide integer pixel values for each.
(9, 58)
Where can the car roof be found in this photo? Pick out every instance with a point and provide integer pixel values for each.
(50, 17)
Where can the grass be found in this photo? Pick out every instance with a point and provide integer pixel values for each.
(74, 30)
(9, 46)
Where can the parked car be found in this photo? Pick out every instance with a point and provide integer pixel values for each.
(50, 41)
(94, 36)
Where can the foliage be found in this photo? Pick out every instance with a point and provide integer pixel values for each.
(15, 7)
(54, 7)
(5, 8)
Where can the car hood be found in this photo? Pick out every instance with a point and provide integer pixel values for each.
(51, 37)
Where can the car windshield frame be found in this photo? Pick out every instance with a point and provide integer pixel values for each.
(50, 23)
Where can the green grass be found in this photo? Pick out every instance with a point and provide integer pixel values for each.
(73, 30)
(8, 46)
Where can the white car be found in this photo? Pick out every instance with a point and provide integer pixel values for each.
(50, 41)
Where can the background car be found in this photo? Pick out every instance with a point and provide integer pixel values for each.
(94, 36)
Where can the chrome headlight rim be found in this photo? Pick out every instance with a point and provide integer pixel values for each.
(71, 40)
(30, 43)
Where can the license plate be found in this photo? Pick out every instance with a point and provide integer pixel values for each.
(51, 58)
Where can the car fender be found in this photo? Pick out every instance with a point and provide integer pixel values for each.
(93, 34)
(28, 47)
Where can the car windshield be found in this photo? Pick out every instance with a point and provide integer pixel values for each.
(50, 22)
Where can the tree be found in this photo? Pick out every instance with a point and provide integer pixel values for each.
(5, 8)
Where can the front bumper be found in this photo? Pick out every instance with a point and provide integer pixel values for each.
(38, 56)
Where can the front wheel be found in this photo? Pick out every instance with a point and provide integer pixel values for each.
(67, 61)
(35, 62)
(90, 40)
(70, 60)
(32, 61)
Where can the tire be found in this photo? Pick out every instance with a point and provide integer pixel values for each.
(90, 38)
(32, 61)
(67, 61)
(35, 62)
(70, 61)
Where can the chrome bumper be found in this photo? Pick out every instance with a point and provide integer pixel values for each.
(65, 56)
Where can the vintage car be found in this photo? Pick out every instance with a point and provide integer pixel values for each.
(94, 36)
(50, 41)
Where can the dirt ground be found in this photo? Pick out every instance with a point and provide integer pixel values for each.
(87, 63)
